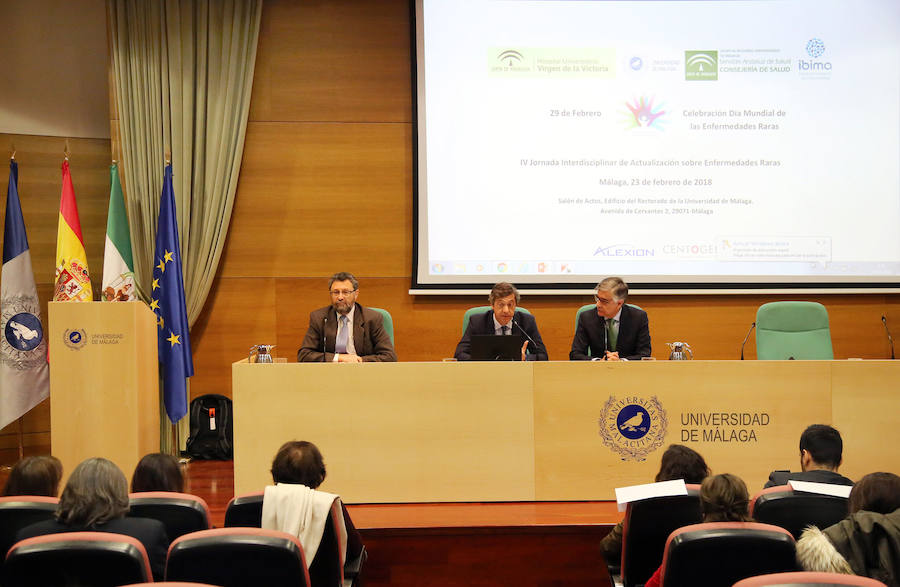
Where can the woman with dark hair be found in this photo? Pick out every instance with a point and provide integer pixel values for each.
(866, 542)
(678, 462)
(157, 472)
(35, 476)
(723, 498)
(95, 499)
(300, 462)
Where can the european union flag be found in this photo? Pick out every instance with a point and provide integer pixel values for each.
(167, 301)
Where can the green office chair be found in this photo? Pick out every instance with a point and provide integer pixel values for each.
(481, 310)
(793, 330)
(388, 322)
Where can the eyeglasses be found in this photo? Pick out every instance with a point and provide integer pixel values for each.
(342, 292)
(603, 301)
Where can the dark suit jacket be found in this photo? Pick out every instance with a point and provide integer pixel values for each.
(816, 476)
(632, 343)
(372, 343)
(484, 324)
(151, 533)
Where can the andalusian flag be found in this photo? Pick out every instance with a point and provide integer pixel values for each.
(167, 301)
(73, 282)
(118, 266)
(24, 373)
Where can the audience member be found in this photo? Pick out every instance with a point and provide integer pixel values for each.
(35, 476)
(157, 472)
(678, 462)
(95, 499)
(300, 462)
(867, 542)
(821, 450)
(723, 498)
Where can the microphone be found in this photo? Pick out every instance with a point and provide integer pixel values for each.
(522, 330)
(890, 338)
(324, 337)
(752, 326)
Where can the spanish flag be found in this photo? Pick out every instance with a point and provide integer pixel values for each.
(73, 282)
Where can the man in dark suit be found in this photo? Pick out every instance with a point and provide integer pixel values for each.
(345, 332)
(821, 453)
(503, 319)
(616, 331)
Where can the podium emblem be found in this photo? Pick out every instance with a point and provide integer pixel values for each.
(633, 426)
(75, 339)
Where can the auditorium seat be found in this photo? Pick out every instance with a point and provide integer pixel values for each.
(238, 557)
(98, 559)
(481, 310)
(245, 511)
(18, 511)
(793, 330)
(794, 511)
(181, 513)
(718, 554)
(387, 320)
(648, 523)
(169, 584)
(798, 579)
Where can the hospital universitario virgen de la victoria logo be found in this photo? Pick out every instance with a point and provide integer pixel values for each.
(633, 426)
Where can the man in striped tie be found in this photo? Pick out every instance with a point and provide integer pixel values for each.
(616, 331)
(345, 332)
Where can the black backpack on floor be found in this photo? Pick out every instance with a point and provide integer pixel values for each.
(211, 436)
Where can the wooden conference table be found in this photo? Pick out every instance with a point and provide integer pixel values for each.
(553, 431)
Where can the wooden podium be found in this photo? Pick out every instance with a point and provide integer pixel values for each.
(104, 382)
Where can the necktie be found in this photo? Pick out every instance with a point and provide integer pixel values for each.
(504, 330)
(340, 345)
(612, 333)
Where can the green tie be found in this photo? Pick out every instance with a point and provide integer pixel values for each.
(612, 333)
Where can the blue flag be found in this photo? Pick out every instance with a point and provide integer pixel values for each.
(24, 373)
(167, 301)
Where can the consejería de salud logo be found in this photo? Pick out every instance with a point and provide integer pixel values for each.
(633, 426)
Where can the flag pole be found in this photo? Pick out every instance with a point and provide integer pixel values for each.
(21, 437)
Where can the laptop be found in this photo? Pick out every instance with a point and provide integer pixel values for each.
(493, 347)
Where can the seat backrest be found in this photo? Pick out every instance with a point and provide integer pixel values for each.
(245, 511)
(77, 558)
(796, 330)
(387, 320)
(18, 511)
(794, 511)
(648, 523)
(238, 557)
(809, 579)
(481, 310)
(722, 553)
(327, 567)
(180, 513)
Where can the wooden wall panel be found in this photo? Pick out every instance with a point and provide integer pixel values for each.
(315, 195)
(333, 61)
(238, 313)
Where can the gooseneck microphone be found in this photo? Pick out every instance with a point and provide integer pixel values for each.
(522, 330)
(752, 326)
(324, 337)
(890, 338)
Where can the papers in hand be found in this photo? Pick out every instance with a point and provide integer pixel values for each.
(624, 495)
(821, 488)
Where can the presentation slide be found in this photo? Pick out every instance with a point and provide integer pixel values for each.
(673, 143)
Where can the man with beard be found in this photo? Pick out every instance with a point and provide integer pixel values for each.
(345, 332)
